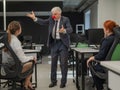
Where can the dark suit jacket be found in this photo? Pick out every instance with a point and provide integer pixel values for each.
(63, 21)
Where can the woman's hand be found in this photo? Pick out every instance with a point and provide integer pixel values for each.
(35, 59)
(89, 60)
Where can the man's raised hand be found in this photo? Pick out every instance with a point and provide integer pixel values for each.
(31, 15)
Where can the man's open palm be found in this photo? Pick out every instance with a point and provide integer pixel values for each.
(31, 15)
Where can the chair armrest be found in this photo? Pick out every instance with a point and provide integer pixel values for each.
(92, 65)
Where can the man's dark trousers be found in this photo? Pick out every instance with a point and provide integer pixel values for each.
(59, 50)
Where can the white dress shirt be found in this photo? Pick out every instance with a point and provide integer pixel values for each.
(58, 28)
(57, 31)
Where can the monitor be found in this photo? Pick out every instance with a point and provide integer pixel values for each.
(80, 28)
(27, 42)
(95, 36)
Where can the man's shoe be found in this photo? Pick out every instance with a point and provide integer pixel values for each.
(52, 85)
(62, 86)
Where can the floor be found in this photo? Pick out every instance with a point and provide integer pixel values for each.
(44, 77)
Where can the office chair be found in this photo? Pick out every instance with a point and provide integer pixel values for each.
(27, 42)
(7, 72)
(78, 41)
(76, 38)
(112, 55)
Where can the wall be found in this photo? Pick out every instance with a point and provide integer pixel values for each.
(106, 10)
(93, 15)
(118, 11)
(75, 18)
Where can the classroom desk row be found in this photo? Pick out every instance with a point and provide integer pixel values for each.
(112, 66)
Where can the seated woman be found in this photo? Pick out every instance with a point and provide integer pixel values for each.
(13, 30)
(104, 49)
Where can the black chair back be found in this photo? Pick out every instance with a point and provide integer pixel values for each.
(8, 73)
(114, 45)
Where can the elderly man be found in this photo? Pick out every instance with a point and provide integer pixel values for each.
(58, 41)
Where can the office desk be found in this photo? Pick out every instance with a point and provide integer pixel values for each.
(82, 52)
(39, 55)
(113, 73)
(36, 47)
(30, 52)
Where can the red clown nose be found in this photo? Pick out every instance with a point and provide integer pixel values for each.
(53, 17)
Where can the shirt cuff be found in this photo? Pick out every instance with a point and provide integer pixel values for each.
(65, 31)
(35, 19)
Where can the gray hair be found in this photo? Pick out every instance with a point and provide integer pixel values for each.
(56, 9)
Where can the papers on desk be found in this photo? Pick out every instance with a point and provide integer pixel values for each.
(97, 47)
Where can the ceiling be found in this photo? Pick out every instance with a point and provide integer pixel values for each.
(70, 5)
(76, 5)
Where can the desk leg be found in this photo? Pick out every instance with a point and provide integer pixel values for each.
(77, 66)
(36, 74)
(35, 84)
(39, 57)
(82, 73)
(73, 65)
(0, 83)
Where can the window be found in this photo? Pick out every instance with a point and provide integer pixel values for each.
(87, 19)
